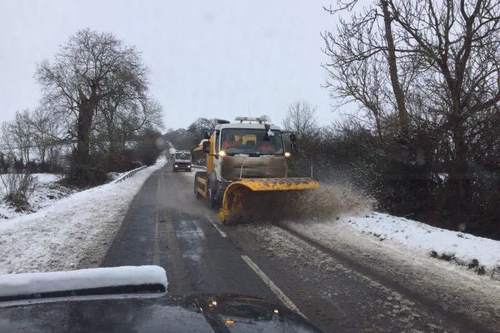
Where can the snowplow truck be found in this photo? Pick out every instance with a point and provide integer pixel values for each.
(246, 169)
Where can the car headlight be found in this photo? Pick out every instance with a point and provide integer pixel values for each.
(287, 154)
(176, 165)
(222, 153)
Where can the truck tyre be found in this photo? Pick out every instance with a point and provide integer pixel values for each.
(218, 199)
(212, 192)
(211, 198)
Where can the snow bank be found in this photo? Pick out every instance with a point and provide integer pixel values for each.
(406, 237)
(37, 283)
(45, 178)
(464, 249)
(74, 230)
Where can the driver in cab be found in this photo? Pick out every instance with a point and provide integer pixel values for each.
(231, 141)
(267, 146)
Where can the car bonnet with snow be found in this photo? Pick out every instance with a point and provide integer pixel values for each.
(137, 303)
(143, 313)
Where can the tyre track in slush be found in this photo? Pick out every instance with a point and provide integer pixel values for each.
(458, 320)
(331, 289)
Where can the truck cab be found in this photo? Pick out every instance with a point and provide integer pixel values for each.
(250, 148)
(182, 160)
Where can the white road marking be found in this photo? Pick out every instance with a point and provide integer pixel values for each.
(222, 233)
(156, 248)
(277, 291)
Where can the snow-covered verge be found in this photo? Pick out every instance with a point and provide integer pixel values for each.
(73, 230)
(454, 288)
(475, 254)
(47, 191)
(479, 254)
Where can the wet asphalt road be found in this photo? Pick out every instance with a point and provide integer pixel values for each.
(167, 226)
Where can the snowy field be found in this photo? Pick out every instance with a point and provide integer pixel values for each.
(73, 232)
(47, 191)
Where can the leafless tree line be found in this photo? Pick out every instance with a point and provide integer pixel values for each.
(33, 136)
(95, 105)
(426, 74)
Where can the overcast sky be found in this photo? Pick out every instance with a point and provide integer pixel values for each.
(217, 58)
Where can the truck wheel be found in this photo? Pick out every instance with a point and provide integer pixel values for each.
(211, 199)
(213, 202)
(218, 199)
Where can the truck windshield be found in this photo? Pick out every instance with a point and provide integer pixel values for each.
(182, 156)
(251, 141)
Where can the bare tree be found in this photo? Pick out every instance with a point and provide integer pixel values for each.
(18, 188)
(461, 46)
(17, 136)
(199, 127)
(88, 69)
(33, 136)
(47, 134)
(449, 52)
(393, 69)
(301, 119)
(363, 52)
(363, 82)
(119, 122)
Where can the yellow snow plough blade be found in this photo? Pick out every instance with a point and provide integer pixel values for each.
(246, 198)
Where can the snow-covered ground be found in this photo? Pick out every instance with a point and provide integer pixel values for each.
(409, 239)
(73, 232)
(47, 191)
(480, 254)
